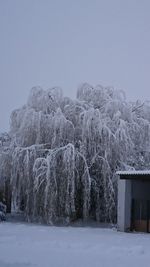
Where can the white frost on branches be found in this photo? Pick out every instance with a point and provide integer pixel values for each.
(63, 154)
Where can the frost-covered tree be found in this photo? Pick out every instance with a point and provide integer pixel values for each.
(63, 154)
(5, 169)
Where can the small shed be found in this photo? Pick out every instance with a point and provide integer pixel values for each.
(133, 201)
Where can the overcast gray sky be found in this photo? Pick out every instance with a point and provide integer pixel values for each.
(67, 42)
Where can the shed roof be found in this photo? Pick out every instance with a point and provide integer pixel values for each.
(133, 174)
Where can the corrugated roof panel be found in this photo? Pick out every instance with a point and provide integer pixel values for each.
(134, 172)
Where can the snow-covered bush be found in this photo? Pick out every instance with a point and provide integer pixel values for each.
(2, 216)
(2, 212)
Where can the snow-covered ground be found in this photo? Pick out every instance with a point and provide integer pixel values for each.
(27, 245)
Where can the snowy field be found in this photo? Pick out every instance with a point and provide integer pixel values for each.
(27, 245)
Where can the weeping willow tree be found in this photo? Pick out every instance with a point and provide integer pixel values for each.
(64, 153)
(47, 183)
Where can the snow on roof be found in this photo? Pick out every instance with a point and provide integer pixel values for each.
(134, 172)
